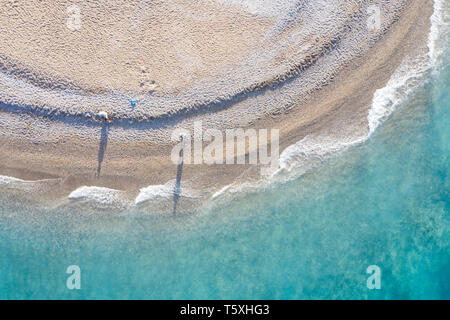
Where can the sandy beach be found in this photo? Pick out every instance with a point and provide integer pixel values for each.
(307, 68)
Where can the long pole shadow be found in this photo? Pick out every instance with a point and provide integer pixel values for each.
(102, 146)
(177, 188)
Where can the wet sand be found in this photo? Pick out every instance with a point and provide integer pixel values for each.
(261, 71)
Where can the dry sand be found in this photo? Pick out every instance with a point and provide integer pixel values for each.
(308, 69)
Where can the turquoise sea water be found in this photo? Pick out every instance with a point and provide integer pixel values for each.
(385, 202)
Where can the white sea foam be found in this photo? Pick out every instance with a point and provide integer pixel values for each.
(307, 153)
(413, 70)
(221, 191)
(440, 29)
(402, 83)
(314, 147)
(164, 191)
(5, 180)
(300, 157)
(15, 183)
(98, 195)
(43, 185)
(154, 192)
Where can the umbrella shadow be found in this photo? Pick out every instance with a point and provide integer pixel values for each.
(102, 146)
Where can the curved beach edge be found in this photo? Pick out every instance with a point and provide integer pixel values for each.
(136, 181)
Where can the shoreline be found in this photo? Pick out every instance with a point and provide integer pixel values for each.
(339, 109)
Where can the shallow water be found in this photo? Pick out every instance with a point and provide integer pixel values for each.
(385, 202)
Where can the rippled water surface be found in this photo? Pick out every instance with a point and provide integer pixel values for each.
(385, 202)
